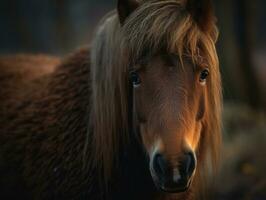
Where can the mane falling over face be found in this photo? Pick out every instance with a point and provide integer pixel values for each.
(169, 48)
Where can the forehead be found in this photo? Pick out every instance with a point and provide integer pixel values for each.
(164, 76)
(168, 60)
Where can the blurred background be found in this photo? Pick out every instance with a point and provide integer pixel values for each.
(58, 27)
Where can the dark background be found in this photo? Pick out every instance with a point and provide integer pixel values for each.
(58, 27)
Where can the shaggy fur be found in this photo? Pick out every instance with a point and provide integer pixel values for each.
(64, 130)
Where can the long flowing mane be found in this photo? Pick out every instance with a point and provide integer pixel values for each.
(155, 25)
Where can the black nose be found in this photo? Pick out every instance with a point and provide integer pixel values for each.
(171, 178)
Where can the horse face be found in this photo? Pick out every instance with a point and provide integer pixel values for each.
(169, 105)
(170, 94)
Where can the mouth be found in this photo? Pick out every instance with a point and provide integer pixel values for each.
(167, 186)
(174, 189)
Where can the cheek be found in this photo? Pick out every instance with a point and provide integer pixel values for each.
(148, 139)
(144, 102)
(201, 106)
(141, 109)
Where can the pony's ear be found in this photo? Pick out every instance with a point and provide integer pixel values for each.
(202, 12)
(125, 8)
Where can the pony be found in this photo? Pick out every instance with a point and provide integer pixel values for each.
(134, 116)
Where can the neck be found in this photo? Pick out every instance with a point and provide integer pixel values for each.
(131, 178)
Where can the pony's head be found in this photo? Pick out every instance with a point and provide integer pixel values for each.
(165, 49)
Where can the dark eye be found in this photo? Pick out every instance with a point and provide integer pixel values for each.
(135, 79)
(203, 76)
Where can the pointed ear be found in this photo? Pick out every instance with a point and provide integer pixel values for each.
(202, 12)
(125, 8)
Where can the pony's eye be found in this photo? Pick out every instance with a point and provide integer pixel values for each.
(203, 76)
(135, 79)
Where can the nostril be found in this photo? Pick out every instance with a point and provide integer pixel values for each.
(192, 164)
(159, 165)
(188, 164)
